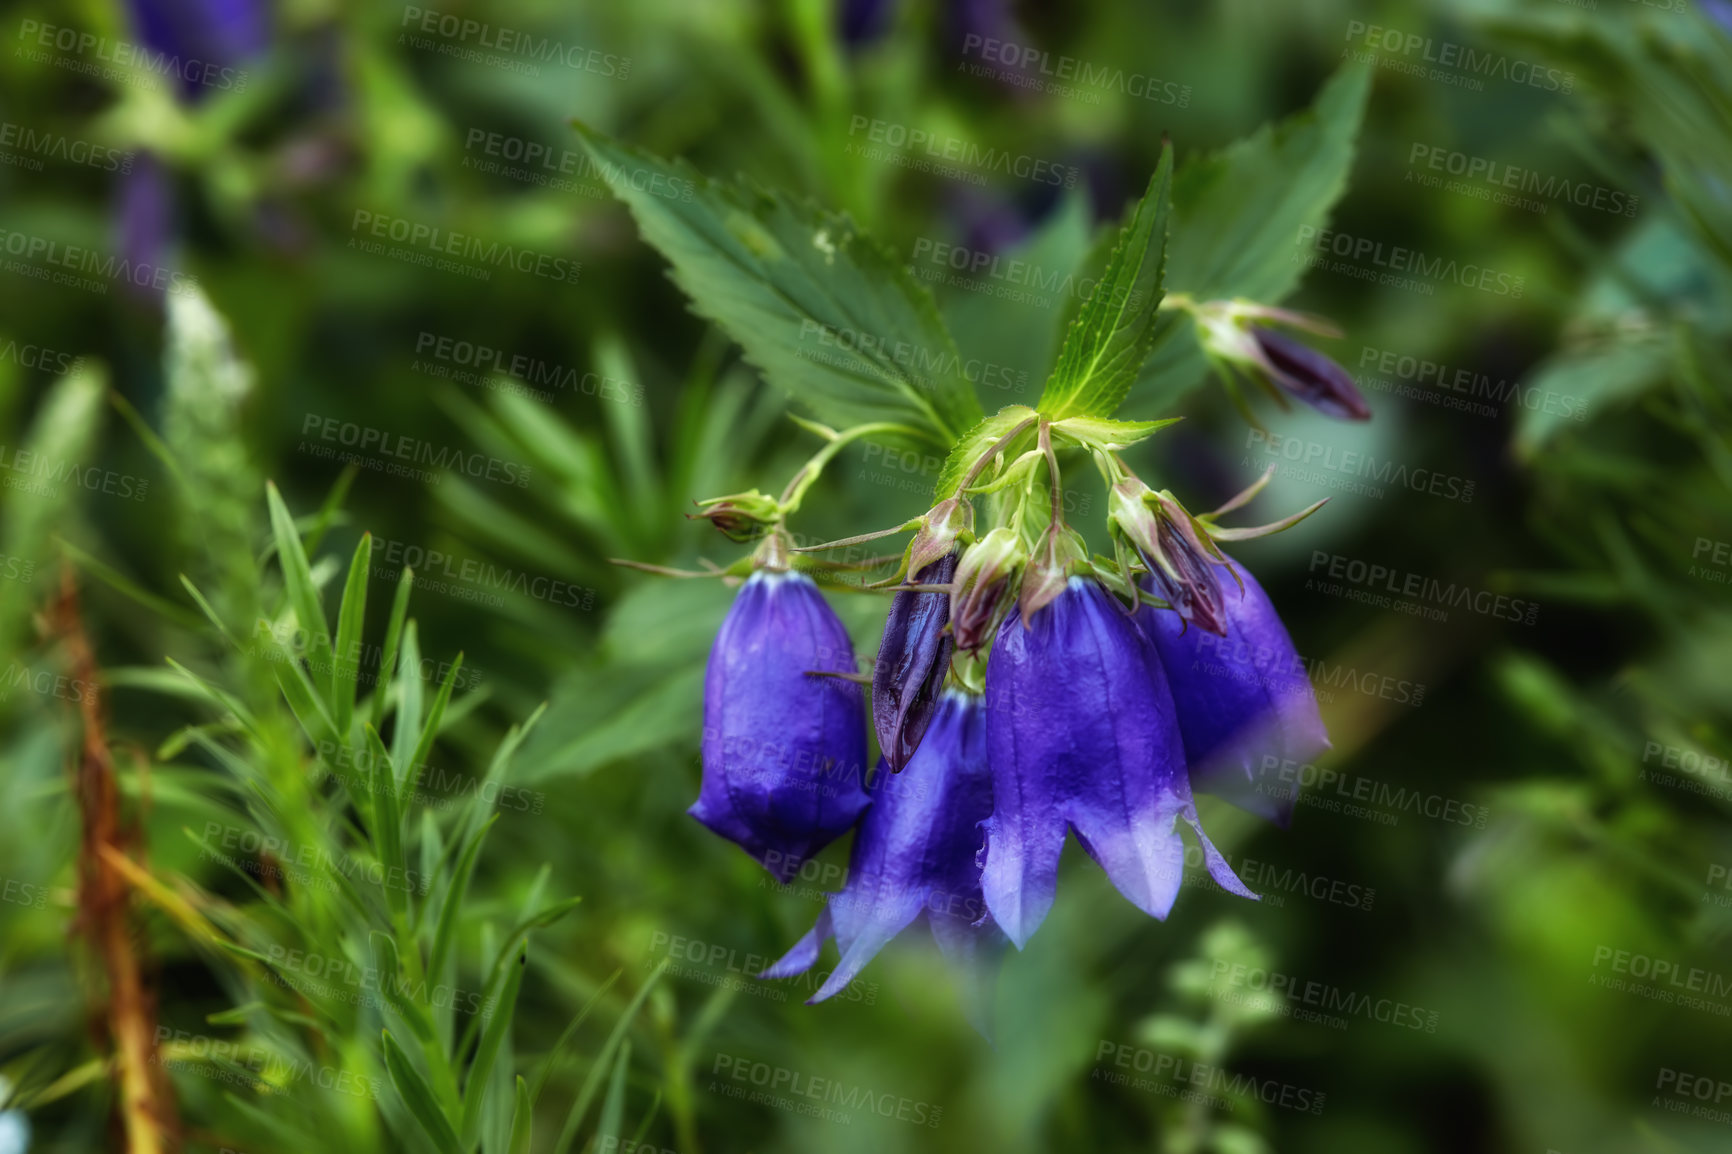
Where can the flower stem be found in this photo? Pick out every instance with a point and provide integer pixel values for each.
(809, 472)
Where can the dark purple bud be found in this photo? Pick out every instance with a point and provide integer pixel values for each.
(784, 750)
(1191, 588)
(1082, 736)
(913, 661)
(917, 852)
(1246, 709)
(1311, 376)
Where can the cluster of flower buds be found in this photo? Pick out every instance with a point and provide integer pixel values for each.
(1022, 690)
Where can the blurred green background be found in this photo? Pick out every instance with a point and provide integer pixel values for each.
(1510, 881)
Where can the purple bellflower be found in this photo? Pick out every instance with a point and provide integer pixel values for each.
(1083, 736)
(913, 660)
(916, 853)
(784, 747)
(1245, 703)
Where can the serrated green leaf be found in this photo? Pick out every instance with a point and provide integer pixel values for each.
(1106, 345)
(976, 441)
(1237, 215)
(1100, 432)
(829, 316)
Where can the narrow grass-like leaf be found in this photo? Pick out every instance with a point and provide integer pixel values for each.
(613, 1105)
(446, 932)
(430, 730)
(551, 1062)
(411, 697)
(351, 619)
(593, 1082)
(386, 674)
(418, 1097)
(383, 805)
(497, 1027)
(298, 579)
(522, 1120)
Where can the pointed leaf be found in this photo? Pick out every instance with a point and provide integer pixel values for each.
(418, 1097)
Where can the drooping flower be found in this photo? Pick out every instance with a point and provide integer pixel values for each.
(913, 659)
(784, 747)
(916, 853)
(1083, 736)
(1180, 559)
(1311, 376)
(1245, 704)
(1237, 335)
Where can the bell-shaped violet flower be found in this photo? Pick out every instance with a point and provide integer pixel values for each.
(1246, 709)
(917, 853)
(1082, 735)
(784, 746)
(913, 660)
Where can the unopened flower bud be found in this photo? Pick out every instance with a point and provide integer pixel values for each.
(939, 530)
(1181, 563)
(1236, 334)
(984, 578)
(741, 516)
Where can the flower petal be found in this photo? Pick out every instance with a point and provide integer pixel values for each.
(1245, 703)
(784, 751)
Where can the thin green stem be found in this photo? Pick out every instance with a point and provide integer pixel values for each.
(995, 450)
(809, 472)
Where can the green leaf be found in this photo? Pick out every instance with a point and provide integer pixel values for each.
(446, 932)
(1111, 337)
(613, 1105)
(491, 1039)
(387, 812)
(1099, 432)
(976, 441)
(522, 1121)
(1237, 216)
(418, 1097)
(393, 637)
(829, 316)
(593, 1081)
(298, 577)
(429, 731)
(351, 616)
